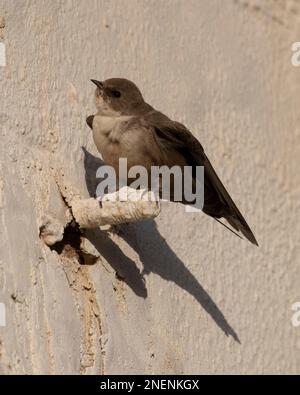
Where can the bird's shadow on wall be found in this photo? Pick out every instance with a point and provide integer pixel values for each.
(154, 253)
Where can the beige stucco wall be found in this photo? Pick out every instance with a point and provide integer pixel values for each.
(222, 67)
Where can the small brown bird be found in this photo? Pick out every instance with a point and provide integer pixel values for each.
(125, 126)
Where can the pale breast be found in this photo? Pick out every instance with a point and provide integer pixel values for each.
(107, 130)
(105, 123)
(118, 138)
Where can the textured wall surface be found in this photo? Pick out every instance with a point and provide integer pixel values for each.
(179, 294)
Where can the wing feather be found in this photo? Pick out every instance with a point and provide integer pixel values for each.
(218, 203)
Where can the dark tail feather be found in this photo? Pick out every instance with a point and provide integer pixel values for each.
(227, 227)
(241, 225)
(229, 210)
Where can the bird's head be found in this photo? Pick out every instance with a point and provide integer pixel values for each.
(117, 96)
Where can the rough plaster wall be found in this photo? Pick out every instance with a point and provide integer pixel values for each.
(163, 295)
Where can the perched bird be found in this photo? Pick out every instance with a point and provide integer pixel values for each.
(125, 126)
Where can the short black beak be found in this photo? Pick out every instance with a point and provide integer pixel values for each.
(99, 84)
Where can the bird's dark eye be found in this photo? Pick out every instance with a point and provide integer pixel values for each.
(116, 93)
